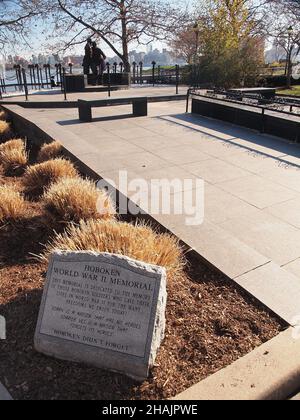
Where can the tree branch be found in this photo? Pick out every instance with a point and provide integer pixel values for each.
(87, 25)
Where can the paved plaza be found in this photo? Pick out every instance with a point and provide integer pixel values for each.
(251, 228)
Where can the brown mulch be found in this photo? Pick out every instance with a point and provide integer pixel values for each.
(210, 324)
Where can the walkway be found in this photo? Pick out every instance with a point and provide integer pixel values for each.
(251, 230)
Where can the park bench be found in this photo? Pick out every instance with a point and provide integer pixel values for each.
(139, 106)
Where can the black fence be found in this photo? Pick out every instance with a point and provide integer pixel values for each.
(36, 77)
(32, 78)
(275, 117)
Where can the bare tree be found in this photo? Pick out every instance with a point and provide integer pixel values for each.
(185, 44)
(118, 23)
(293, 6)
(284, 28)
(14, 19)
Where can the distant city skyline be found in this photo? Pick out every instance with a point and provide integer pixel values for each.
(161, 57)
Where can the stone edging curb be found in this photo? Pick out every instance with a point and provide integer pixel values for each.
(270, 372)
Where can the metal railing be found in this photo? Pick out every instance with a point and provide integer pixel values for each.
(274, 121)
(239, 100)
(34, 78)
(156, 75)
(38, 77)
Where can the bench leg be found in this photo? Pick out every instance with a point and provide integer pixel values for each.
(140, 108)
(85, 112)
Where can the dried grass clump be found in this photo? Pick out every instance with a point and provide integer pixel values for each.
(13, 157)
(74, 199)
(5, 130)
(38, 178)
(12, 205)
(50, 151)
(139, 242)
(3, 116)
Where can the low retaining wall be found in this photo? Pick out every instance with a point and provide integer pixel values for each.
(256, 120)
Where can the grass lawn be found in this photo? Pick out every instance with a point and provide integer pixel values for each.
(295, 90)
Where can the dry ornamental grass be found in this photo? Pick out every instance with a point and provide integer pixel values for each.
(13, 157)
(12, 205)
(74, 199)
(139, 242)
(50, 151)
(3, 116)
(38, 178)
(5, 131)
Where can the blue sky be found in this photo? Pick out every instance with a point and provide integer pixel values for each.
(37, 42)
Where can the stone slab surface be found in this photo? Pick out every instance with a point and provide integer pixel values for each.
(293, 267)
(269, 235)
(280, 289)
(104, 310)
(258, 191)
(270, 372)
(288, 211)
(217, 246)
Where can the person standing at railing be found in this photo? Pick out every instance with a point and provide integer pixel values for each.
(98, 61)
(87, 60)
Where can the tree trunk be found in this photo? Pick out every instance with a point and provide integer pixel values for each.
(125, 42)
(289, 69)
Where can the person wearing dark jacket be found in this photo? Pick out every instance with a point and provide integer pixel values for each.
(87, 60)
(98, 60)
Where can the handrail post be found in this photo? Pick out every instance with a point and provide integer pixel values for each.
(38, 75)
(30, 74)
(64, 83)
(187, 100)
(141, 72)
(158, 74)
(49, 75)
(33, 76)
(153, 73)
(263, 120)
(60, 76)
(177, 79)
(25, 83)
(133, 72)
(46, 74)
(108, 79)
(41, 78)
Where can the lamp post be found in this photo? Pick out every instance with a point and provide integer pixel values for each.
(289, 57)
